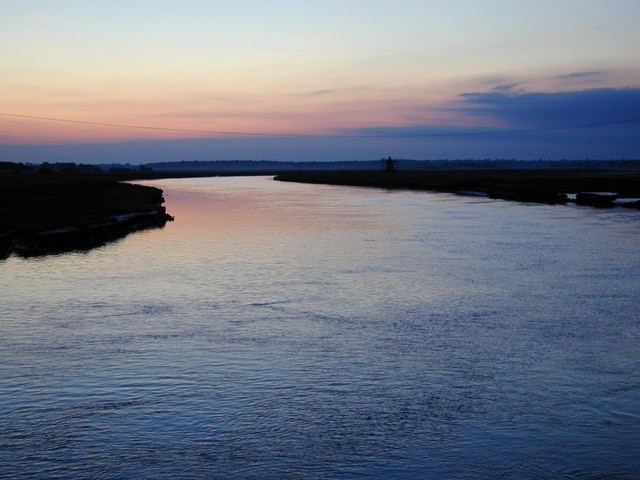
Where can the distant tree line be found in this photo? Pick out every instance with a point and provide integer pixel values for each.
(267, 166)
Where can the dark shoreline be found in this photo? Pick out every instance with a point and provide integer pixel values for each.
(595, 188)
(44, 212)
(47, 213)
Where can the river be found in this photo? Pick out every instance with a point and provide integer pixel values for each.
(280, 330)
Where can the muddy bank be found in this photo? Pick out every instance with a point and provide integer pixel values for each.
(540, 186)
(51, 213)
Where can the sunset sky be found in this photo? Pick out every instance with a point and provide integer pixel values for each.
(144, 81)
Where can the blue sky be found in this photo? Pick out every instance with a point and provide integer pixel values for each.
(143, 81)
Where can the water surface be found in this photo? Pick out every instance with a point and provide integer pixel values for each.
(281, 330)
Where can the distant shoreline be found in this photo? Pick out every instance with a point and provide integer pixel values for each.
(64, 207)
(597, 188)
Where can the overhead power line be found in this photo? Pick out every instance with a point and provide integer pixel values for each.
(147, 127)
(372, 134)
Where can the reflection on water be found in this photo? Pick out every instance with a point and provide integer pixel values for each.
(297, 331)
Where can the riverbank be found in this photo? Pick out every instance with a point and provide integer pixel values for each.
(588, 187)
(44, 212)
(63, 207)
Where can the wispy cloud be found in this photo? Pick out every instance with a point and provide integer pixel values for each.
(321, 92)
(507, 87)
(556, 109)
(419, 131)
(574, 124)
(595, 75)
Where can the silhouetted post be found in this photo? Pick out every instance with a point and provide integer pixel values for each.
(389, 166)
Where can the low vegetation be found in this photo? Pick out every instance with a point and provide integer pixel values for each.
(528, 185)
(45, 210)
(64, 206)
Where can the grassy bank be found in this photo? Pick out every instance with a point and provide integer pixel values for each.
(45, 212)
(529, 185)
